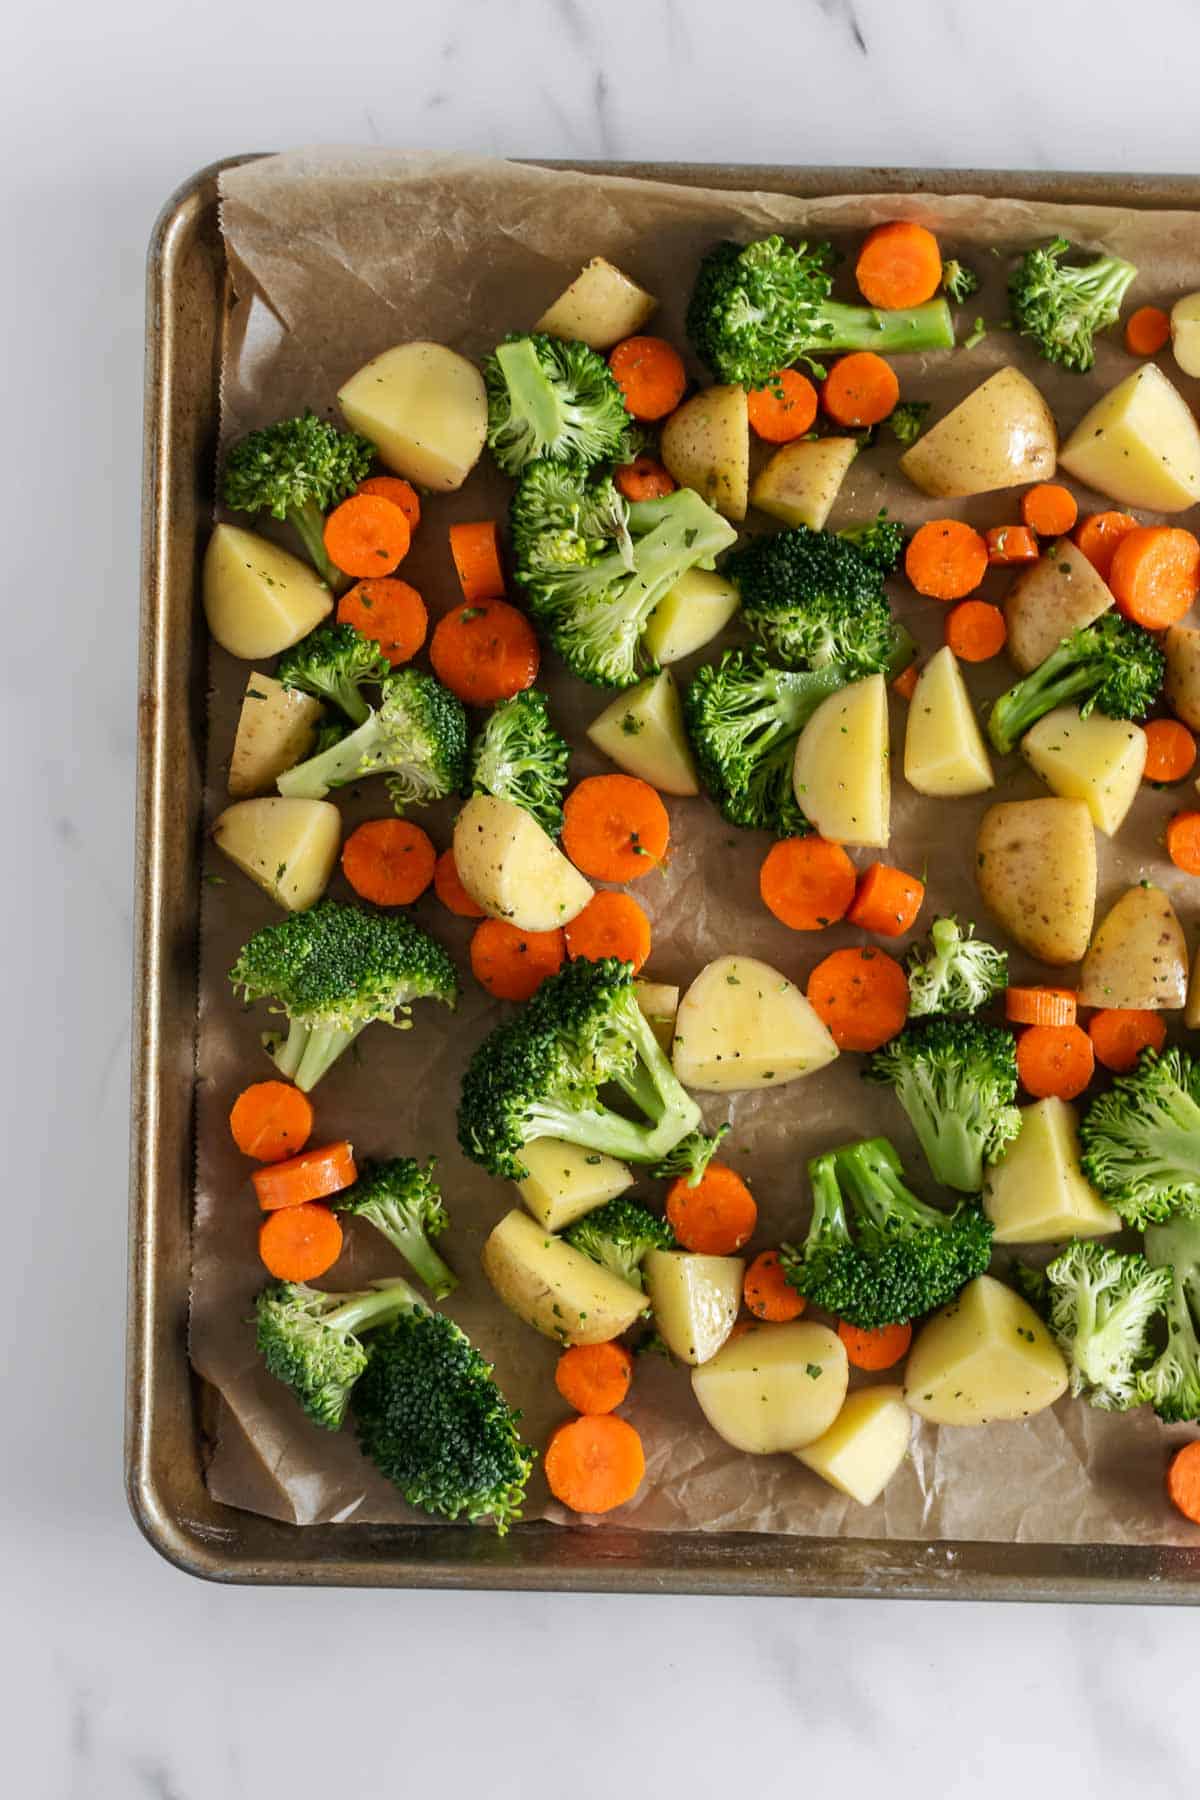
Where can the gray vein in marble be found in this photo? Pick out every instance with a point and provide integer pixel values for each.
(844, 12)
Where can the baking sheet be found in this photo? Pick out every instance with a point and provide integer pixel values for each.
(335, 257)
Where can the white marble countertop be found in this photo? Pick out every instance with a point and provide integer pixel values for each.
(119, 1677)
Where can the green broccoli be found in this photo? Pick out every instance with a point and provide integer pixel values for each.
(519, 756)
(1112, 664)
(957, 1080)
(417, 739)
(296, 470)
(1172, 1382)
(901, 1259)
(1100, 1306)
(691, 1156)
(814, 600)
(906, 421)
(404, 1202)
(1141, 1140)
(881, 541)
(953, 971)
(743, 717)
(757, 308)
(548, 398)
(334, 970)
(312, 1340)
(562, 516)
(618, 1234)
(959, 280)
(332, 663)
(1061, 307)
(540, 1074)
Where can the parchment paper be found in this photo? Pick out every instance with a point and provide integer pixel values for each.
(336, 256)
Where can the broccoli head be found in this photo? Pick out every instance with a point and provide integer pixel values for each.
(1112, 664)
(404, 1202)
(519, 756)
(881, 540)
(814, 600)
(312, 1341)
(417, 739)
(1100, 1306)
(332, 663)
(743, 717)
(296, 470)
(1141, 1140)
(953, 971)
(957, 1081)
(618, 1235)
(1172, 1382)
(959, 280)
(561, 515)
(1061, 306)
(549, 398)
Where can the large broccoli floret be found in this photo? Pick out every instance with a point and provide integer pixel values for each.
(312, 1340)
(561, 516)
(743, 717)
(404, 1202)
(334, 970)
(1141, 1140)
(519, 756)
(1062, 306)
(1100, 1306)
(618, 1235)
(296, 470)
(953, 971)
(1172, 1382)
(757, 308)
(540, 1074)
(957, 1080)
(417, 739)
(881, 540)
(875, 1254)
(1112, 664)
(814, 600)
(332, 663)
(553, 399)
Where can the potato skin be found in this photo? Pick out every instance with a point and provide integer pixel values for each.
(555, 1288)
(802, 480)
(705, 445)
(1138, 958)
(1035, 864)
(1002, 435)
(599, 308)
(1182, 648)
(1051, 598)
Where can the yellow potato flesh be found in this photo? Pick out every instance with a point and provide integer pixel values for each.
(802, 481)
(642, 731)
(865, 1445)
(288, 847)
(1139, 444)
(699, 606)
(1038, 1193)
(840, 773)
(742, 1024)
(1138, 957)
(259, 599)
(985, 1356)
(774, 1387)
(944, 751)
(599, 308)
(565, 1181)
(1097, 760)
(276, 729)
(555, 1288)
(695, 1300)
(511, 868)
(424, 407)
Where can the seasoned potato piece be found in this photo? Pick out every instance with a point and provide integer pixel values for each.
(775, 1387)
(985, 1356)
(1138, 957)
(1182, 647)
(1097, 760)
(259, 599)
(1035, 862)
(865, 1445)
(1191, 1011)
(565, 1181)
(1050, 599)
(802, 480)
(424, 408)
(600, 307)
(642, 731)
(706, 446)
(840, 772)
(1185, 333)
(1001, 435)
(742, 1024)
(659, 1003)
(555, 1288)
(699, 605)
(695, 1300)
(1139, 444)
(276, 729)
(1038, 1193)
(288, 847)
(511, 868)
(944, 751)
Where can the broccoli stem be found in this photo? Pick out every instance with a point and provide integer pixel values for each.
(306, 1054)
(409, 1238)
(830, 1228)
(377, 1305)
(532, 392)
(1059, 679)
(874, 1179)
(331, 768)
(308, 522)
(914, 328)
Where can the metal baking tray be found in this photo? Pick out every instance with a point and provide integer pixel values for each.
(188, 296)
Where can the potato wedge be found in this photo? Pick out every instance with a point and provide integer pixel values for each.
(775, 1387)
(802, 480)
(944, 751)
(1182, 688)
(742, 1024)
(659, 1002)
(289, 848)
(706, 446)
(1050, 599)
(1097, 760)
(1001, 435)
(424, 408)
(1035, 862)
(985, 1356)
(1191, 1011)
(259, 599)
(864, 1446)
(840, 773)
(565, 1181)
(1138, 957)
(555, 1288)
(511, 868)
(600, 307)
(694, 1299)
(642, 731)
(699, 606)
(1139, 444)
(276, 729)
(1038, 1193)
(1185, 333)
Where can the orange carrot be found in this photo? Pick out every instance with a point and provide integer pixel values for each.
(807, 883)
(1119, 1034)
(650, 374)
(975, 631)
(391, 612)
(1098, 536)
(768, 1293)
(1170, 750)
(783, 408)
(595, 1464)
(1183, 842)
(388, 861)
(312, 1175)
(485, 653)
(513, 964)
(945, 559)
(271, 1120)
(1009, 544)
(862, 995)
(1147, 330)
(860, 389)
(367, 535)
(401, 493)
(1155, 574)
(717, 1216)
(886, 901)
(899, 265)
(615, 827)
(1039, 1006)
(299, 1243)
(611, 924)
(447, 885)
(594, 1378)
(644, 479)
(906, 681)
(1049, 509)
(476, 552)
(1055, 1062)
(882, 1348)
(1183, 1481)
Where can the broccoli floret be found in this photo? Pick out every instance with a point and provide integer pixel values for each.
(1112, 664)
(813, 599)
(296, 470)
(312, 1340)
(540, 1074)
(906, 421)
(431, 1418)
(881, 541)
(618, 1235)
(691, 1156)
(959, 280)
(417, 739)
(330, 731)
(957, 1080)
(332, 663)
(519, 756)
(561, 517)
(1141, 1140)
(1062, 306)
(953, 971)
(1100, 1306)
(743, 717)
(334, 970)
(553, 399)
(757, 308)
(1172, 1382)
(404, 1202)
(902, 1257)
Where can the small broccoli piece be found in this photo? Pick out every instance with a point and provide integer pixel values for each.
(814, 600)
(404, 1202)
(743, 717)
(548, 398)
(417, 739)
(1112, 664)
(541, 1073)
(691, 1156)
(332, 663)
(618, 1235)
(881, 541)
(901, 1259)
(312, 1340)
(1141, 1140)
(1062, 306)
(519, 756)
(757, 308)
(906, 422)
(334, 970)
(562, 517)
(957, 1080)
(1100, 1306)
(959, 280)
(953, 971)
(330, 731)
(296, 470)
(1172, 1382)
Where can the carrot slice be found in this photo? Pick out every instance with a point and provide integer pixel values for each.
(388, 861)
(860, 389)
(1147, 331)
(650, 374)
(887, 901)
(1170, 750)
(946, 559)
(271, 1120)
(611, 924)
(615, 827)
(1039, 1006)
(1049, 509)
(485, 652)
(1183, 1481)
(401, 493)
(899, 265)
(367, 535)
(513, 964)
(1119, 1034)
(975, 631)
(768, 1293)
(595, 1464)
(862, 995)
(905, 683)
(717, 1216)
(390, 611)
(475, 549)
(644, 479)
(1055, 1062)
(1098, 535)
(1010, 544)
(1155, 574)
(807, 883)
(447, 885)
(1183, 842)
(300, 1243)
(594, 1378)
(784, 408)
(882, 1348)
(312, 1175)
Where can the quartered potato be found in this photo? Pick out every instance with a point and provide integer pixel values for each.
(276, 729)
(865, 1445)
(555, 1288)
(424, 407)
(1038, 1193)
(705, 444)
(259, 599)
(288, 847)
(1182, 688)
(985, 1356)
(1185, 333)
(1002, 435)
(1050, 599)
(1035, 863)
(944, 751)
(511, 868)
(1097, 760)
(642, 730)
(1138, 957)
(599, 308)
(1191, 1011)
(694, 1299)
(840, 773)
(659, 1002)
(699, 606)
(742, 1024)
(1139, 445)
(774, 1387)
(802, 480)
(565, 1181)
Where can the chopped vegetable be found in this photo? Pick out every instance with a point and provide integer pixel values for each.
(1061, 307)
(650, 375)
(447, 885)
(271, 1120)
(594, 1465)
(783, 408)
(485, 652)
(1039, 1006)
(807, 882)
(1141, 1140)
(388, 861)
(1112, 664)
(389, 611)
(1101, 1306)
(554, 400)
(366, 536)
(887, 901)
(594, 1378)
(768, 1293)
(881, 1348)
(946, 559)
(957, 1081)
(312, 1341)
(899, 265)
(611, 924)
(296, 470)
(403, 1202)
(953, 971)
(512, 964)
(1155, 574)
(860, 390)
(714, 1216)
(814, 600)
(615, 828)
(1055, 1061)
(1120, 1034)
(518, 755)
(618, 1236)
(299, 1243)
(862, 996)
(309, 1175)
(475, 549)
